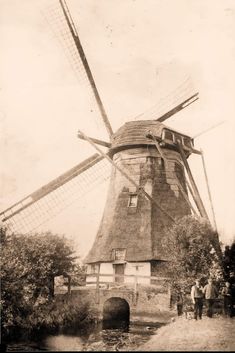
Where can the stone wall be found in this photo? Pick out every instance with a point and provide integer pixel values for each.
(150, 303)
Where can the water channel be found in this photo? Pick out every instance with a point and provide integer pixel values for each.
(111, 336)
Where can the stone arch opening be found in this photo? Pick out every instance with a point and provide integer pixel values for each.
(116, 313)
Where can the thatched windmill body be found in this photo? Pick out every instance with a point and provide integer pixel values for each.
(148, 188)
(147, 194)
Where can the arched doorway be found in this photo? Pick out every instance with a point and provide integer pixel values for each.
(116, 313)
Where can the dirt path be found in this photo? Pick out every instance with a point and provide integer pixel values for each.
(216, 334)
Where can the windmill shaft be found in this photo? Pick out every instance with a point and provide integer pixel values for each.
(179, 107)
(51, 186)
(86, 66)
(194, 186)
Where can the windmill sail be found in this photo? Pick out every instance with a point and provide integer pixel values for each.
(170, 104)
(179, 107)
(52, 198)
(47, 201)
(61, 21)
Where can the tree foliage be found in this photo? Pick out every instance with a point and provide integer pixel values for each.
(28, 266)
(194, 252)
(229, 262)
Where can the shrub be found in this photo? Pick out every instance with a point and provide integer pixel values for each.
(194, 252)
(28, 267)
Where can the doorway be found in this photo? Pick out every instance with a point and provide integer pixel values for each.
(116, 313)
(119, 270)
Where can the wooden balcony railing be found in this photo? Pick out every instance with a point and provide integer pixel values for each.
(121, 281)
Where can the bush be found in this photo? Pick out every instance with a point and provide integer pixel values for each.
(194, 252)
(55, 315)
(28, 267)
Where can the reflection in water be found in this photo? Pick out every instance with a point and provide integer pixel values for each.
(64, 343)
(106, 336)
(115, 324)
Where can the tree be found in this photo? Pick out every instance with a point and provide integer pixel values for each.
(28, 267)
(194, 252)
(229, 262)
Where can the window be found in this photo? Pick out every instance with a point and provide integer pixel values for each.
(187, 142)
(178, 137)
(167, 135)
(94, 268)
(133, 200)
(119, 254)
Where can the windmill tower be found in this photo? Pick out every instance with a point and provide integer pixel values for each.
(147, 194)
(148, 188)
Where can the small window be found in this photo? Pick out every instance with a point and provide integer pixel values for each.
(187, 142)
(119, 254)
(94, 268)
(178, 137)
(167, 135)
(133, 200)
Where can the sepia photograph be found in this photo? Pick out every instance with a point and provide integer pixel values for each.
(117, 192)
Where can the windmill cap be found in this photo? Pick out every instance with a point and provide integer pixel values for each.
(137, 133)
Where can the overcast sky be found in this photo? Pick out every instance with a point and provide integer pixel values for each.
(138, 51)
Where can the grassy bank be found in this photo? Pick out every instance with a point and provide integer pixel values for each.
(215, 334)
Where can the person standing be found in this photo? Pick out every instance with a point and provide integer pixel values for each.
(197, 299)
(227, 294)
(179, 303)
(211, 294)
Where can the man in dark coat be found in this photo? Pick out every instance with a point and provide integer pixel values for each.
(227, 294)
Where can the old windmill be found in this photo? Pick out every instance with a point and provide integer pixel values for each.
(148, 189)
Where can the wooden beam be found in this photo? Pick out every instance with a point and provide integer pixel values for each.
(135, 290)
(179, 107)
(197, 197)
(193, 150)
(97, 292)
(150, 134)
(132, 181)
(208, 189)
(96, 141)
(126, 276)
(185, 196)
(166, 163)
(192, 194)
